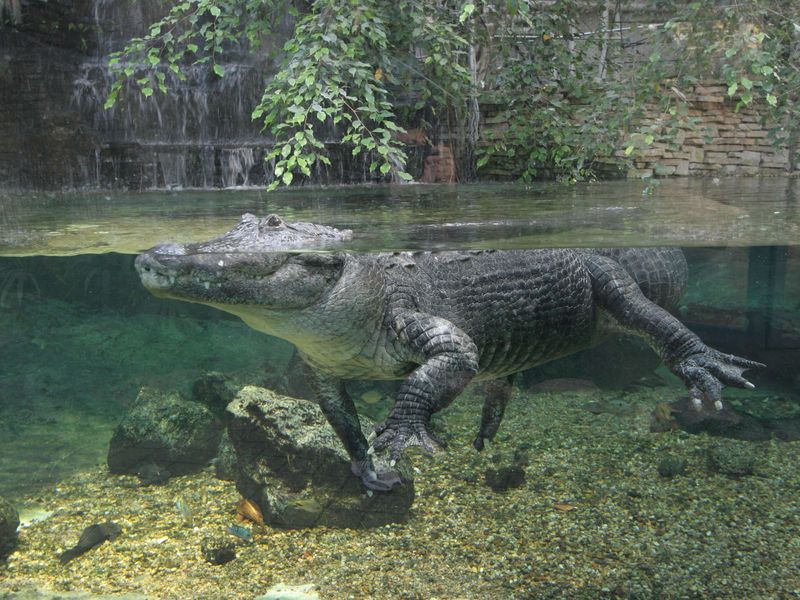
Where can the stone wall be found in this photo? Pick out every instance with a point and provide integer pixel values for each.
(712, 139)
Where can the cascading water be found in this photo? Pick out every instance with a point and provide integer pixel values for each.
(54, 82)
(199, 134)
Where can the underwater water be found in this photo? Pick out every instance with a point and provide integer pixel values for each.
(589, 490)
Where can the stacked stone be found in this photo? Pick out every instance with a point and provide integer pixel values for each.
(716, 140)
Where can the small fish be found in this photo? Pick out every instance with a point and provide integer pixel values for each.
(564, 506)
(92, 536)
(184, 509)
(243, 533)
(247, 509)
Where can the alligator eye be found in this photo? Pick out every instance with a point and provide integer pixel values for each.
(274, 221)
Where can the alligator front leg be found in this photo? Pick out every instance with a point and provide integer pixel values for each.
(497, 394)
(703, 369)
(339, 410)
(448, 360)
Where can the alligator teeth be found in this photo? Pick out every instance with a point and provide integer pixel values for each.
(206, 284)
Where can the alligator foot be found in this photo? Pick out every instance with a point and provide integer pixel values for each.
(397, 436)
(373, 480)
(706, 371)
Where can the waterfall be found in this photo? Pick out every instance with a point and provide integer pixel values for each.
(199, 134)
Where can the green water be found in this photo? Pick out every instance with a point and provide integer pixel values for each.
(79, 337)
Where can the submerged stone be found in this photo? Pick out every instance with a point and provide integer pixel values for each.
(9, 522)
(292, 465)
(225, 461)
(214, 391)
(166, 430)
(735, 460)
(505, 478)
(671, 465)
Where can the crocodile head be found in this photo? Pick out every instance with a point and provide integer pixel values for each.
(265, 263)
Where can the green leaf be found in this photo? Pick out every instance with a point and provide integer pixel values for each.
(147, 92)
(287, 178)
(385, 168)
(629, 150)
(405, 176)
(746, 83)
(219, 69)
(649, 139)
(466, 12)
(732, 89)
(772, 99)
(214, 10)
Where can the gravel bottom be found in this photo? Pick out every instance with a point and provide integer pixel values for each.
(620, 530)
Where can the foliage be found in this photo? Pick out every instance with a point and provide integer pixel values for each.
(342, 64)
(559, 115)
(752, 46)
(563, 93)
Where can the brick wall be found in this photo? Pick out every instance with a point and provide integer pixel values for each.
(713, 139)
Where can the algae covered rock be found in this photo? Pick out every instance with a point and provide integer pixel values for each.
(9, 521)
(215, 390)
(671, 465)
(734, 459)
(165, 430)
(292, 465)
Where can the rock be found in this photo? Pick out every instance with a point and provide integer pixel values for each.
(292, 465)
(214, 391)
(671, 466)
(9, 521)
(225, 462)
(164, 430)
(505, 478)
(733, 459)
(728, 422)
(152, 474)
(218, 551)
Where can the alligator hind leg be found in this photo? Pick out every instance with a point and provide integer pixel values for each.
(339, 410)
(703, 369)
(498, 392)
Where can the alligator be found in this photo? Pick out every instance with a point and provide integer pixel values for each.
(436, 320)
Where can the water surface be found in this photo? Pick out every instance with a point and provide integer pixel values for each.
(681, 212)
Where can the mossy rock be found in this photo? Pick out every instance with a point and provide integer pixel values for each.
(178, 435)
(9, 522)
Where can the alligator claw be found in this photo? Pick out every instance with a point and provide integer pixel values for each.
(707, 371)
(399, 436)
(373, 480)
